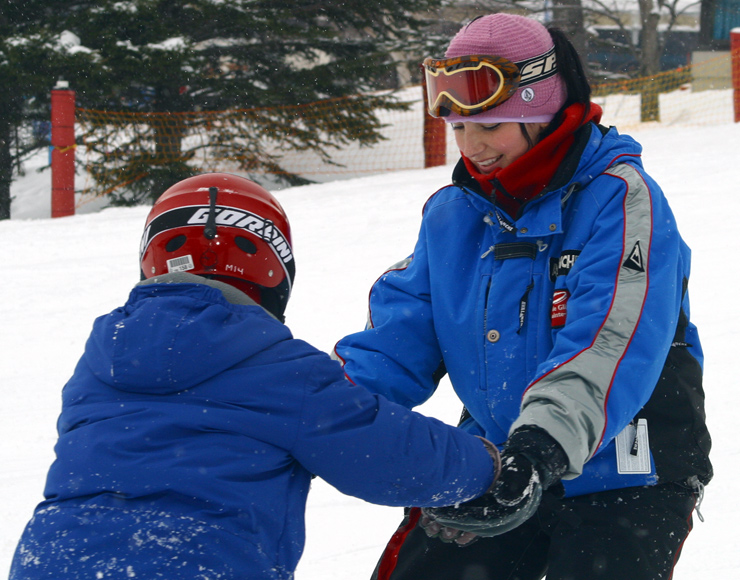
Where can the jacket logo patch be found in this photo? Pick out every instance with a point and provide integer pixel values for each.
(559, 307)
(562, 265)
(634, 260)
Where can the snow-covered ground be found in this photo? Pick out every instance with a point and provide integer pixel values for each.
(60, 274)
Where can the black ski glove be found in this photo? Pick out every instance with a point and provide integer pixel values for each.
(532, 462)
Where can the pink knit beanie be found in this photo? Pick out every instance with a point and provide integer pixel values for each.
(518, 39)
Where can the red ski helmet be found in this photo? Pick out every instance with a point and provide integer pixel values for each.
(226, 228)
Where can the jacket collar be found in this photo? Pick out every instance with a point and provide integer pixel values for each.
(529, 177)
(231, 294)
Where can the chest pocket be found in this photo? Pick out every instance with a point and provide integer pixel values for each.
(511, 312)
(515, 250)
(519, 250)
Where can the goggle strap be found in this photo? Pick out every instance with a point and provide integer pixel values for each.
(537, 68)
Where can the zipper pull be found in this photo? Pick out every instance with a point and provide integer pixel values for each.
(523, 303)
(698, 487)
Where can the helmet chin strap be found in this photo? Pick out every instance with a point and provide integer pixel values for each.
(209, 231)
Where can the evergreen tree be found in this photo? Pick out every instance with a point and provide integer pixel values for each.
(32, 57)
(164, 56)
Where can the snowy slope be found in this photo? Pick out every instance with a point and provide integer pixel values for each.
(60, 274)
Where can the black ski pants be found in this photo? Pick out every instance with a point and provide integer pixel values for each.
(634, 533)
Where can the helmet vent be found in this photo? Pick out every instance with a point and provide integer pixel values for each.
(245, 245)
(175, 243)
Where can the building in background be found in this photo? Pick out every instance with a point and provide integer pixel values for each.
(718, 17)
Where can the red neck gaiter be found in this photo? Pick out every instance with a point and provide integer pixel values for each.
(521, 181)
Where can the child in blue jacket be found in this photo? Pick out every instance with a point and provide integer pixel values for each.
(549, 281)
(194, 421)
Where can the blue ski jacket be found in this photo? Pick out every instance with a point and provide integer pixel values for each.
(189, 434)
(572, 316)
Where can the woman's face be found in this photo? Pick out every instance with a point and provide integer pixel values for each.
(494, 145)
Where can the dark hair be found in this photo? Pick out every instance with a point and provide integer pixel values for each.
(571, 71)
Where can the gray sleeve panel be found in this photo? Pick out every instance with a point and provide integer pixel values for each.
(569, 402)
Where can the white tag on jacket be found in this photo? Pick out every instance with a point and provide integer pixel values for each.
(633, 449)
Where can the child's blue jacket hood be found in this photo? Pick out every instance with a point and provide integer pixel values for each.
(156, 346)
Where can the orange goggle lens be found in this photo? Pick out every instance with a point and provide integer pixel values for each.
(468, 85)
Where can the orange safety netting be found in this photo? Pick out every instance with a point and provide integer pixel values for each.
(318, 142)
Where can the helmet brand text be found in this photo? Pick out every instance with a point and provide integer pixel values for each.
(237, 218)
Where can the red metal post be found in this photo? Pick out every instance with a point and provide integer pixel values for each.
(435, 135)
(735, 56)
(63, 150)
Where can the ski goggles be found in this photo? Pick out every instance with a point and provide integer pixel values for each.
(468, 85)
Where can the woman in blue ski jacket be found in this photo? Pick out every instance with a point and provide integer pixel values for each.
(194, 421)
(549, 281)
